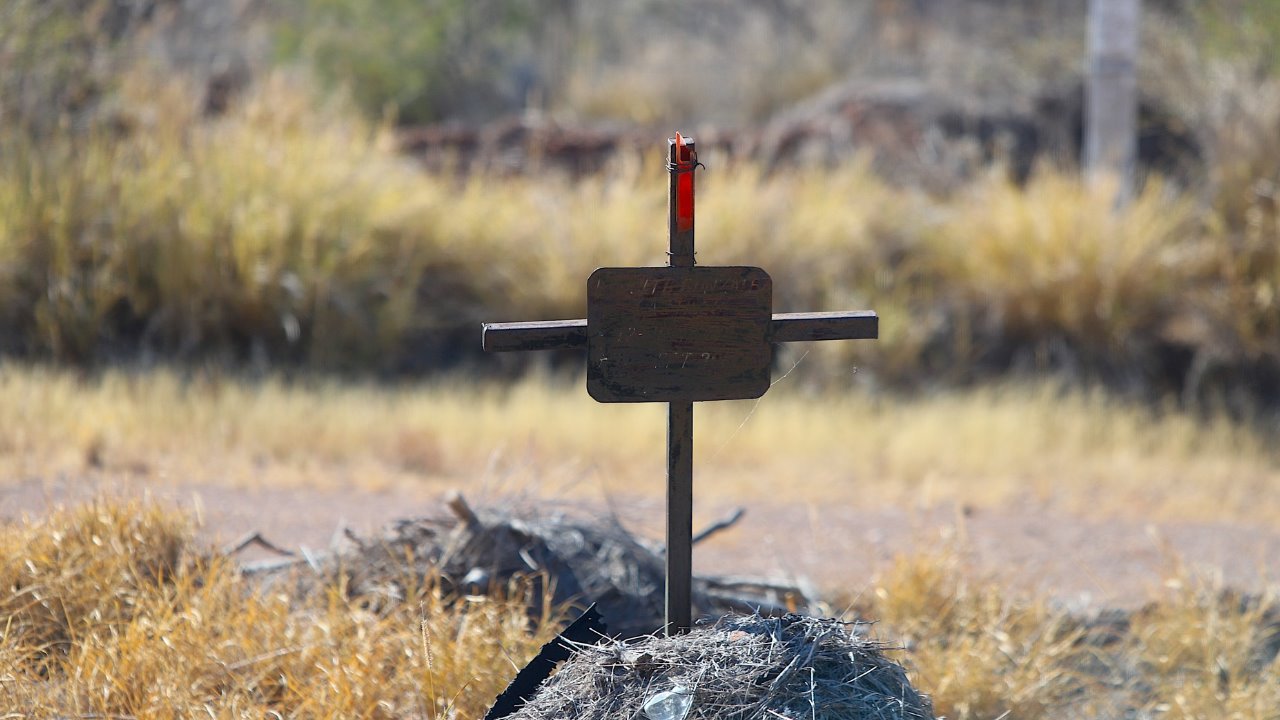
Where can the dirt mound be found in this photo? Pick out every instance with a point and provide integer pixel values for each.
(742, 666)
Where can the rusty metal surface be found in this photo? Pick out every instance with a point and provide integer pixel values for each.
(678, 334)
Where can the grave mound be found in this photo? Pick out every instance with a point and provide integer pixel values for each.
(740, 666)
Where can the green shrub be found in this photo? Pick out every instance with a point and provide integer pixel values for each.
(420, 59)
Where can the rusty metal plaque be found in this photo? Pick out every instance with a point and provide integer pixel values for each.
(672, 334)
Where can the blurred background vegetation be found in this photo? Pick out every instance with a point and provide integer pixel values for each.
(320, 191)
(347, 186)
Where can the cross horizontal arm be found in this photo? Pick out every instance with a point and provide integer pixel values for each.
(542, 335)
(785, 327)
(797, 327)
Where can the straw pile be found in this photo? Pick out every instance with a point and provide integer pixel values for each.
(742, 666)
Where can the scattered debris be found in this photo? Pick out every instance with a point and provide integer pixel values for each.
(474, 551)
(256, 538)
(719, 525)
(914, 132)
(742, 666)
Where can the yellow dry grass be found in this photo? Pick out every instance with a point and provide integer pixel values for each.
(1078, 451)
(1209, 651)
(111, 610)
(1197, 650)
(289, 229)
(1067, 264)
(297, 226)
(293, 228)
(980, 651)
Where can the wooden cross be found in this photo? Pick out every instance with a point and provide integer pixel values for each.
(679, 334)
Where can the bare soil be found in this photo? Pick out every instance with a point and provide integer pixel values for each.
(1080, 562)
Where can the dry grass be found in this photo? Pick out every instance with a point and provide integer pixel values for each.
(1082, 452)
(740, 667)
(1195, 651)
(1052, 260)
(976, 649)
(111, 611)
(1209, 651)
(279, 226)
(287, 230)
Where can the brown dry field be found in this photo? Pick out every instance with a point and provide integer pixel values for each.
(1082, 498)
(1080, 562)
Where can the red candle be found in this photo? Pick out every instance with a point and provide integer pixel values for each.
(684, 186)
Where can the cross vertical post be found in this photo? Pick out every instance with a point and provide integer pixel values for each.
(682, 160)
(679, 334)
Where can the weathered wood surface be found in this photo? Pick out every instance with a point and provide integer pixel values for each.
(537, 335)
(784, 327)
(799, 327)
(679, 606)
(678, 334)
